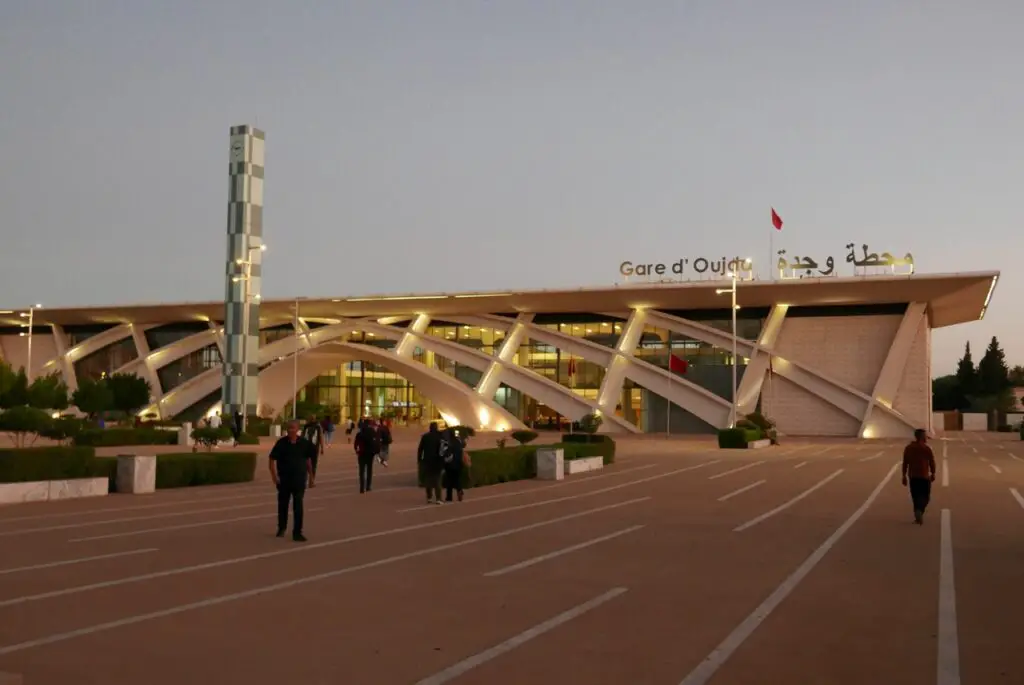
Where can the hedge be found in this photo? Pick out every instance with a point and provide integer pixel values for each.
(737, 438)
(123, 437)
(187, 469)
(504, 465)
(49, 463)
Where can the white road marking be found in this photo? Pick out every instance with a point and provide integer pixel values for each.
(720, 654)
(996, 468)
(223, 599)
(974, 449)
(723, 474)
(295, 550)
(560, 552)
(753, 522)
(1014, 456)
(984, 458)
(948, 644)
(945, 447)
(732, 494)
(534, 490)
(800, 465)
(79, 560)
(454, 671)
(945, 473)
(872, 457)
(1017, 496)
(185, 526)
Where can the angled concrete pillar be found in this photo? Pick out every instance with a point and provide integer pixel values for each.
(244, 270)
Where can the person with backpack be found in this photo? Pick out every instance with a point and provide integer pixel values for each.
(314, 434)
(454, 457)
(384, 434)
(367, 447)
(428, 454)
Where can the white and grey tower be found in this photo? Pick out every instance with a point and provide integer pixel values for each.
(244, 270)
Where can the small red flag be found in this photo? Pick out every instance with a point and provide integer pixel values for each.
(776, 220)
(677, 365)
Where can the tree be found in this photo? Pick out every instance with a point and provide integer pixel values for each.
(7, 378)
(993, 376)
(48, 392)
(16, 394)
(966, 375)
(22, 421)
(947, 396)
(129, 393)
(1017, 376)
(92, 397)
(590, 423)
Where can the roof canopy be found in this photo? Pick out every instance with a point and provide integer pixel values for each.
(951, 299)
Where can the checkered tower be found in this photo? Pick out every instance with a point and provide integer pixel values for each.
(245, 236)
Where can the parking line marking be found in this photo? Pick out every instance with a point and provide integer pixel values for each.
(786, 505)
(560, 552)
(948, 643)
(79, 560)
(732, 494)
(736, 470)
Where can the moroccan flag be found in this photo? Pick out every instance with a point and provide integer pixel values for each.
(677, 365)
(572, 367)
(776, 220)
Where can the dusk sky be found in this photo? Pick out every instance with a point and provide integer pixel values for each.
(450, 146)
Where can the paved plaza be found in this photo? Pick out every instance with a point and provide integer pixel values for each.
(681, 563)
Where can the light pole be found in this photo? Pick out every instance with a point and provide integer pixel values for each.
(246, 279)
(734, 277)
(30, 315)
(295, 363)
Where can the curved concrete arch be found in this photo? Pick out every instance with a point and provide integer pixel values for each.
(455, 400)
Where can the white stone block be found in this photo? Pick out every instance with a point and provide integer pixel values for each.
(938, 422)
(758, 444)
(584, 465)
(975, 422)
(17, 493)
(79, 487)
(135, 474)
(275, 430)
(550, 464)
(185, 435)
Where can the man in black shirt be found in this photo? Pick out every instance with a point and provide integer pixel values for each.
(291, 464)
(429, 456)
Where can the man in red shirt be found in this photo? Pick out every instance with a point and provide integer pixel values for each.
(919, 472)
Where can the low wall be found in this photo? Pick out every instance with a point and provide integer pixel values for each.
(45, 490)
(975, 422)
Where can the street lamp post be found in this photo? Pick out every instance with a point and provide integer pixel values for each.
(295, 363)
(734, 277)
(30, 315)
(246, 279)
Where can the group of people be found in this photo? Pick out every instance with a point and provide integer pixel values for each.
(443, 459)
(295, 456)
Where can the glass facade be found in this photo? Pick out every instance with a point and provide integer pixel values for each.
(271, 335)
(105, 361)
(486, 340)
(162, 336)
(359, 389)
(78, 334)
(191, 365)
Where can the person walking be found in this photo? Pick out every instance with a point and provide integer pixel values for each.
(454, 458)
(350, 426)
(428, 454)
(291, 468)
(314, 433)
(384, 433)
(919, 473)
(367, 447)
(328, 425)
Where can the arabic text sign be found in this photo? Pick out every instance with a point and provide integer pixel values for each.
(802, 267)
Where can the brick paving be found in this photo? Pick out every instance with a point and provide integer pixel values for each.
(638, 573)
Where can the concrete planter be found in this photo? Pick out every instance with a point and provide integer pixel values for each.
(550, 464)
(574, 466)
(758, 444)
(46, 490)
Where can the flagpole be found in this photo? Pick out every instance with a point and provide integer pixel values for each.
(668, 402)
(771, 253)
(572, 384)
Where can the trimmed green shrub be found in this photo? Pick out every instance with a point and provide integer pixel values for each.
(63, 429)
(188, 469)
(123, 437)
(248, 438)
(582, 450)
(735, 438)
(491, 466)
(524, 437)
(23, 465)
(210, 437)
(590, 423)
(24, 421)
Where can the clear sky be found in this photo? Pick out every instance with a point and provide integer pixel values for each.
(460, 145)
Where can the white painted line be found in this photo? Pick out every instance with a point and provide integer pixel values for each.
(560, 552)
(723, 474)
(534, 490)
(974, 449)
(753, 522)
(830, 447)
(223, 599)
(873, 456)
(299, 549)
(456, 670)
(1017, 496)
(720, 654)
(732, 494)
(996, 468)
(80, 560)
(984, 458)
(800, 465)
(945, 473)
(945, 446)
(270, 515)
(1014, 456)
(948, 644)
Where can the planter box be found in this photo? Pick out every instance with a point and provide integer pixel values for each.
(45, 490)
(550, 464)
(136, 475)
(583, 465)
(185, 435)
(758, 444)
